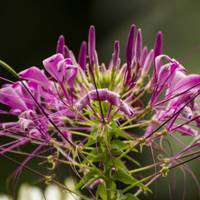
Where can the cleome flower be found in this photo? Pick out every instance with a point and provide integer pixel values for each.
(88, 114)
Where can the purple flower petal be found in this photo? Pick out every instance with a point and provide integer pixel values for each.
(138, 48)
(36, 75)
(18, 143)
(147, 63)
(115, 56)
(143, 56)
(189, 82)
(158, 46)
(51, 65)
(69, 71)
(105, 95)
(91, 45)
(187, 130)
(83, 55)
(61, 45)
(8, 96)
(130, 46)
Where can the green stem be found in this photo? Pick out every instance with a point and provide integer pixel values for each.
(139, 116)
(147, 184)
(107, 168)
(140, 125)
(9, 68)
(143, 168)
(108, 190)
(137, 182)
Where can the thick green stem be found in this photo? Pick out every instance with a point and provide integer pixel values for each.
(107, 168)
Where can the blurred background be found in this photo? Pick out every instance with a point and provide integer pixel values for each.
(29, 31)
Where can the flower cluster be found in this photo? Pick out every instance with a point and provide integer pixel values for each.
(90, 114)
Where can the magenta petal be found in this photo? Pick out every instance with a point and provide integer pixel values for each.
(138, 49)
(9, 97)
(51, 63)
(158, 62)
(152, 126)
(166, 73)
(115, 56)
(19, 142)
(187, 130)
(83, 55)
(91, 45)
(178, 101)
(188, 83)
(96, 182)
(130, 46)
(61, 45)
(179, 75)
(71, 76)
(148, 61)
(143, 56)
(158, 44)
(3, 112)
(36, 75)
(67, 71)
(105, 95)
(130, 52)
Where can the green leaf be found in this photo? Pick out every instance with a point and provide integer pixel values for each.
(101, 191)
(113, 189)
(120, 195)
(93, 139)
(124, 135)
(132, 160)
(123, 176)
(119, 164)
(93, 156)
(130, 196)
(138, 183)
(119, 145)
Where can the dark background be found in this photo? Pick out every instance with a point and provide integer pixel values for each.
(29, 30)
